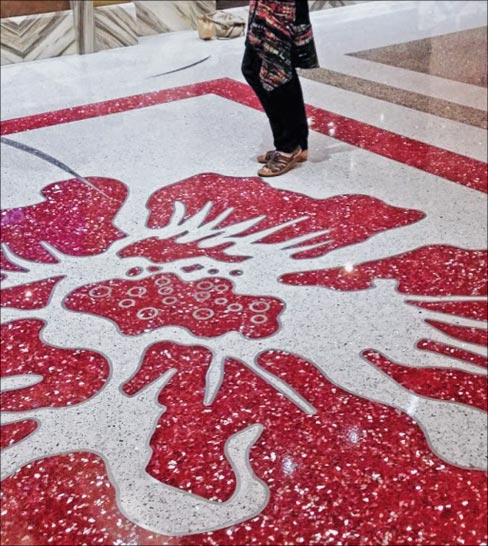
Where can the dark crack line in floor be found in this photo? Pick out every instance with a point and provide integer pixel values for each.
(53, 161)
(181, 68)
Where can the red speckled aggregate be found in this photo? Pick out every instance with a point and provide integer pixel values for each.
(74, 217)
(454, 352)
(347, 218)
(68, 376)
(207, 307)
(170, 250)
(29, 296)
(454, 385)
(14, 432)
(434, 270)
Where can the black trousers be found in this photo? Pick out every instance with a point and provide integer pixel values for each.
(284, 106)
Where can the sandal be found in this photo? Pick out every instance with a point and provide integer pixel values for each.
(264, 158)
(280, 164)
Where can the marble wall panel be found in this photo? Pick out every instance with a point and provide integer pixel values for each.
(155, 17)
(325, 4)
(39, 36)
(115, 26)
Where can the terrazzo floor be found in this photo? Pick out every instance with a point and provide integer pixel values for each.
(194, 355)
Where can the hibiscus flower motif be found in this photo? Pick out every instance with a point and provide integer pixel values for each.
(218, 323)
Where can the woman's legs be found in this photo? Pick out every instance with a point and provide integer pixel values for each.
(284, 106)
(301, 118)
(286, 102)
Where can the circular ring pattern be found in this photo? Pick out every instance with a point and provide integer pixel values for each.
(234, 307)
(165, 290)
(169, 300)
(203, 314)
(162, 281)
(221, 288)
(221, 301)
(147, 313)
(259, 319)
(136, 291)
(100, 291)
(125, 304)
(205, 285)
(259, 306)
(202, 296)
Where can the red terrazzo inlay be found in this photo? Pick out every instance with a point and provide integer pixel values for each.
(444, 384)
(208, 307)
(347, 218)
(68, 376)
(29, 296)
(74, 217)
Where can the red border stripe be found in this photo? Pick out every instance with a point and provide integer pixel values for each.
(431, 159)
(99, 109)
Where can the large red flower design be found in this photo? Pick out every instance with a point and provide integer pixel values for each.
(324, 451)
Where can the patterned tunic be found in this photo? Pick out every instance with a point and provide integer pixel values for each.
(281, 41)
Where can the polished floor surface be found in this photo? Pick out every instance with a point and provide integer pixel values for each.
(195, 355)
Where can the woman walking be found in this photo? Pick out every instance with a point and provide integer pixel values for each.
(279, 40)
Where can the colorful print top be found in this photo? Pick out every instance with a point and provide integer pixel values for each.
(282, 42)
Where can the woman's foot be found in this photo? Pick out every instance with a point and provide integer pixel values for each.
(264, 158)
(280, 163)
